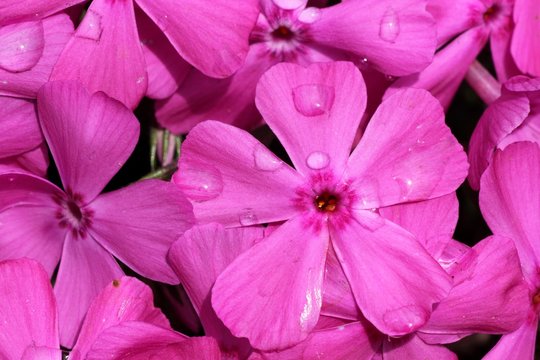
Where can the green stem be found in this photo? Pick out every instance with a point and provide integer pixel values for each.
(163, 173)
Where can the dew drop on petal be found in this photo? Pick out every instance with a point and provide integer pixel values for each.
(265, 160)
(247, 217)
(289, 4)
(22, 45)
(201, 184)
(406, 319)
(310, 15)
(318, 160)
(389, 26)
(405, 187)
(90, 27)
(313, 99)
(364, 62)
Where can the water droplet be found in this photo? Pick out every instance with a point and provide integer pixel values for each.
(405, 187)
(389, 26)
(309, 15)
(201, 184)
(364, 62)
(11, 179)
(318, 160)
(405, 320)
(313, 99)
(22, 46)
(289, 4)
(265, 160)
(4, 82)
(140, 80)
(90, 27)
(247, 217)
(389, 77)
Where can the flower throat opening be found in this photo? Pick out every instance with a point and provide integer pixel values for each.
(326, 202)
(283, 33)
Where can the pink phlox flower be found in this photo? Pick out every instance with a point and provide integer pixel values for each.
(272, 293)
(90, 138)
(374, 34)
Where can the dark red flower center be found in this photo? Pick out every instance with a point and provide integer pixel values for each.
(282, 32)
(536, 298)
(326, 202)
(71, 214)
(492, 12)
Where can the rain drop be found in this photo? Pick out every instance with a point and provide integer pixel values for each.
(310, 15)
(405, 319)
(318, 160)
(265, 160)
(313, 99)
(389, 26)
(201, 184)
(405, 187)
(247, 217)
(90, 27)
(364, 62)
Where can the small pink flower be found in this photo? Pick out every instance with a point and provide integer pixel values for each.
(90, 138)
(272, 293)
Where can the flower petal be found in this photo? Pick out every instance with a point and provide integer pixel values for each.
(27, 308)
(351, 341)
(213, 37)
(394, 280)
(86, 268)
(524, 46)
(107, 31)
(90, 136)
(433, 221)
(233, 179)
(500, 119)
(228, 100)
(518, 345)
(139, 223)
(18, 189)
(33, 162)
(213, 248)
(510, 200)
(140, 341)
(32, 232)
(165, 68)
(16, 11)
(407, 153)
(381, 31)
(19, 127)
(22, 45)
(56, 32)
(412, 347)
(124, 300)
(42, 353)
(271, 293)
(496, 275)
(319, 110)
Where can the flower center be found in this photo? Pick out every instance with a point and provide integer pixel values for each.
(71, 214)
(326, 202)
(536, 298)
(491, 12)
(282, 32)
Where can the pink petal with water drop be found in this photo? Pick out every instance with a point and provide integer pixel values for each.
(407, 153)
(397, 37)
(107, 31)
(272, 293)
(86, 268)
(28, 315)
(125, 299)
(57, 30)
(139, 223)
(394, 280)
(510, 200)
(213, 37)
(90, 136)
(165, 68)
(19, 127)
(524, 46)
(22, 46)
(432, 221)
(233, 179)
(229, 100)
(317, 105)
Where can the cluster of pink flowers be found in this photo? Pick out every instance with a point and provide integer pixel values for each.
(336, 244)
